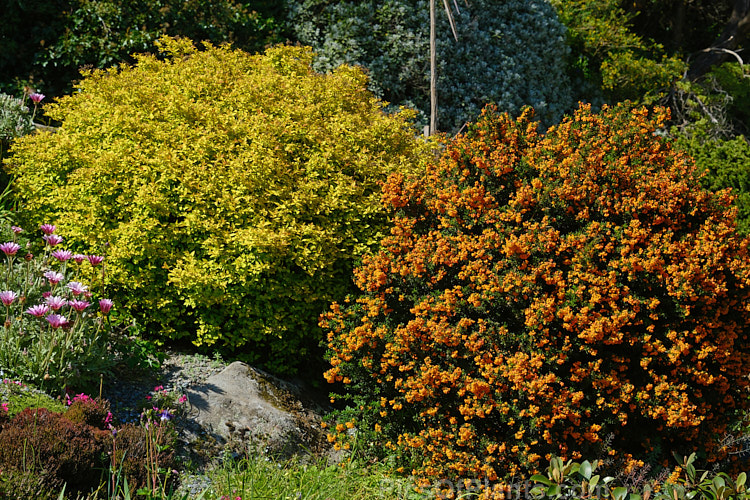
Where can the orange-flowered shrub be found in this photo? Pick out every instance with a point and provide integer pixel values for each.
(562, 293)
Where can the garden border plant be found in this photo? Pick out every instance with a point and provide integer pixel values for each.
(539, 293)
(235, 191)
(51, 335)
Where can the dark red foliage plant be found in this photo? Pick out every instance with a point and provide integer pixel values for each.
(50, 445)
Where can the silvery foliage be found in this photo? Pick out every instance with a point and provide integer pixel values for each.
(510, 52)
(15, 118)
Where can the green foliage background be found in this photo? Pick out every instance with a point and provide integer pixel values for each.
(230, 192)
(44, 43)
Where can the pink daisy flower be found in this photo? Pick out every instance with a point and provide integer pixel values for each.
(95, 260)
(77, 288)
(54, 277)
(62, 255)
(105, 305)
(38, 310)
(10, 248)
(56, 302)
(78, 305)
(56, 320)
(52, 239)
(7, 297)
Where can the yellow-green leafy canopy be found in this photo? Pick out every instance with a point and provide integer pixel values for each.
(233, 190)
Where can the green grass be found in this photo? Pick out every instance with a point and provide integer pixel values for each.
(259, 478)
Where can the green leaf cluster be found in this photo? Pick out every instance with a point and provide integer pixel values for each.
(611, 57)
(710, 120)
(231, 192)
(574, 480)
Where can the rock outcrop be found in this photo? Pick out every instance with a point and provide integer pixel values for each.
(258, 413)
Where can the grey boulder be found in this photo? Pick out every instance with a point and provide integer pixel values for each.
(251, 409)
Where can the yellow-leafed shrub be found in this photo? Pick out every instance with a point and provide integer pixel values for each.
(231, 192)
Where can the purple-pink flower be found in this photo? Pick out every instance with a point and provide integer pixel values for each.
(52, 239)
(38, 310)
(7, 297)
(48, 228)
(78, 305)
(182, 399)
(78, 258)
(62, 255)
(53, 277)
(56, 320)
(56, 302)
(77, 288)
(10, 248)
(37, 97)
(105, 305)
(95, 260)
(16, 229)
(78, 397)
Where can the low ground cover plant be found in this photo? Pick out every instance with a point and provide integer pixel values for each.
(234, 191)
(82, 450)
(567, 294)
(16, 396)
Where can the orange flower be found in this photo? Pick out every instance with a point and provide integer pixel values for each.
(544, 292)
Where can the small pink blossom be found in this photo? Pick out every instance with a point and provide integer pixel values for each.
(57, 320)
(54, 277)
(77, 397)
(78, 258)
(16, 229)
(95, 260)
(38, 310)
(56, 302)
(37, 97)
(48, 228)
(182, 399)
(105, 305)
(77, 288)
(10, 248)
(52, 239)
(78, 305)
(7, 297)
(62, 255)
(4, 407)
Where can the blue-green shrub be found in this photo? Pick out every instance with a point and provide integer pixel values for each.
(512, 53)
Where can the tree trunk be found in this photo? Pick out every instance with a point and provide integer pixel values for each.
(723, 49)
(433, 71)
